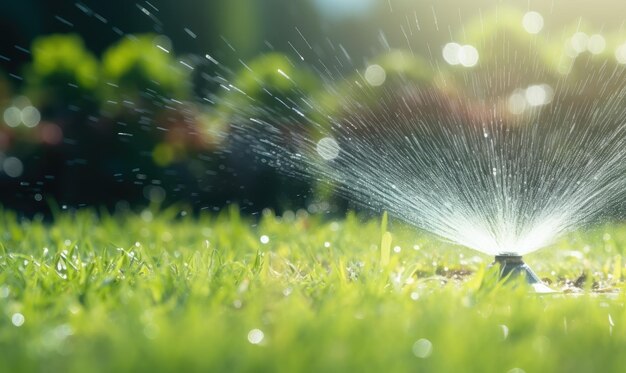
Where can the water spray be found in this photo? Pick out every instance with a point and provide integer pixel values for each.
(511, 266)
(460, 159)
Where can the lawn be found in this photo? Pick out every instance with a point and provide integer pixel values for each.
(165, 291)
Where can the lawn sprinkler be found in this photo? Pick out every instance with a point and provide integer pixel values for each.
(512, 266)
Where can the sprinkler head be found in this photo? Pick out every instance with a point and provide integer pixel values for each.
(512, 266)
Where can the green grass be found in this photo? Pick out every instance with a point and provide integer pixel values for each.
(161, 292)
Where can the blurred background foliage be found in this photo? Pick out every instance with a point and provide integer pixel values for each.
(134, 66)
(124, 104)
(62, 71)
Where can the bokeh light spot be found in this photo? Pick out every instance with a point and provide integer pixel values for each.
(18, 319)
(596, 44)
(256, 336)
(451, 53)
(30, 116)
(328, 148)
(375, 75)
(13, 167)
(422, 348)
(532, 22)
(12, 116)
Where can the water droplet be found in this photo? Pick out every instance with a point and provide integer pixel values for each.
(596, 44)
(12, 116)
(451, 53)
(456, 54)
(18, 319)
(327, 148)
(146, 215)
(539, 94)
(620, 54)
(281, 72)
(264, 239)
(422, 348)
(517, 102)
(579, 41)
(505, 331)
(468, 56)
(13, 167)
(30, 116)
(375, 75)
(532, 22)
(255, 336)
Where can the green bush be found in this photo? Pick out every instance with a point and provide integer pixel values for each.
(136, 66)
(62, 71)
(267, 87)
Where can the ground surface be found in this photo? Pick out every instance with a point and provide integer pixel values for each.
(161, 292)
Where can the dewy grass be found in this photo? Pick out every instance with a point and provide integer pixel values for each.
(160, 292)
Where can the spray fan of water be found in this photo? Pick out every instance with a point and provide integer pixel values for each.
(464, 163)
